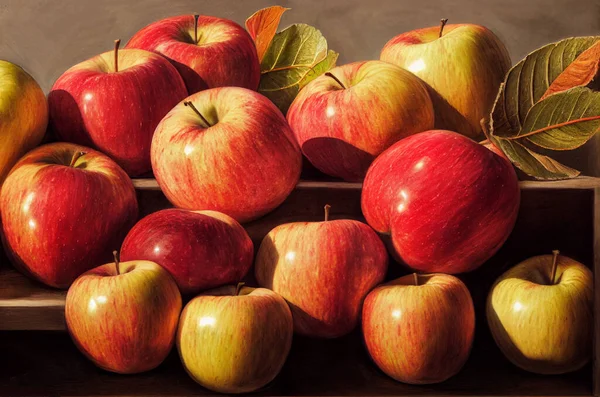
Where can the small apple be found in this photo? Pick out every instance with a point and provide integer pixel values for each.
(419, 328)
(540, 314)
(123, 316)
(228, 150)
(324, 270)
(464, 65)
(446, 202)
(235, 340)
(348, 116)
(113, 102)
(64, 209)
(24, 115)
(208, 52)
(201, 249)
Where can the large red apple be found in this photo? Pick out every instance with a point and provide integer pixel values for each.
(207, 51)
(228, 150)
(64, 209)
(115, 105)
(201, 249)
(464, 64)
(419, 328)
(348, 116)
(235, 340)
(447, 202)
(324, 270)
(123, 316)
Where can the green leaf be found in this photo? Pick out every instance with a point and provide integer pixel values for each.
(297, 55)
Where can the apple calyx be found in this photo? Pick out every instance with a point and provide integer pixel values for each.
(443, 23)
(117, 45)
(196, 16)
(191, 105)
(76, 157)
(116, 257)
(555, 254)
(239, 287)
(416, 279)
(327, 208)
(329, 74)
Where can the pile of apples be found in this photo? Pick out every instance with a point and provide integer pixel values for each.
(180, 100)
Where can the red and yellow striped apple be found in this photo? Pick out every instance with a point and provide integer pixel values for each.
(114, 104)
(208, 52)
(123, 316)
(540, 314)
(235, 340)
(419, 328)
(324, 270)
(348, 116)
(446, 202)
(226, 149)
(64, 209)
(24, 115)
(464, 64)
(201, 249)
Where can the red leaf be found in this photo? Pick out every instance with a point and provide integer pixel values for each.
(262, 26)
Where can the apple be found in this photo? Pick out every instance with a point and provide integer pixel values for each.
(123, 316)
(207, 51)
(235, 339)
(24, 115)
(324, 270)
(540, 313)
(113, 102)
(201, 249)
(64, 208)
(226, 149)
(419, 329)
(464, 64)
(446, 202)
(348, 116)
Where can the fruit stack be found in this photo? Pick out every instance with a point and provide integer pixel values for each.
(180, 101)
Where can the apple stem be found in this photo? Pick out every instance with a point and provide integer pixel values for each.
(443, 23)
(329, 74)
(555, 254)
(191, 105)
(116, 256)
(238, 288)
(416, 278)
(117, 45)
(76, 157)
(196, 16)
(327, 208)
(484, 127)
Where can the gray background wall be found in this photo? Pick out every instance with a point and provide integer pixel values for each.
(48, 36)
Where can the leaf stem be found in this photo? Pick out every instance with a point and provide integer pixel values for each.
(416, 279)
(443, 23)
(555, 254)
(196, 16)
(327, 208)
(76, 157)
(191, 105)
(329, 74)
(117, 45)
(239, 287)
(116, 257)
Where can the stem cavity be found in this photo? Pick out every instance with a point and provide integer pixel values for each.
(443, 23)
(116, 256)
(329, 74)
(191, 105)
(327, 208)
(117, 45)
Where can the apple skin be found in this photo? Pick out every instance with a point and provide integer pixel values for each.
(448, 202)
(24, 115)
(116, 113)
(59, 221)
(235, 343)
(464, 69)
(341, 131)
(543, 328)
(324, 270)
(201, 249)
(244, 165)
(124, 323)
(419, 334)
(224, 56)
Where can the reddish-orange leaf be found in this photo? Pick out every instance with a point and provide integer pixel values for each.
(262, 26)
(579, 73)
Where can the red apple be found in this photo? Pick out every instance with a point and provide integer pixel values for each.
(123, 316)
(207, 51)
(64, 209)
(228, 150)
(324, 270)
(348, 116)
(116, 108)
(235, 340)
(201, 249)
(447, 202)
(419, 328)
(464, 65)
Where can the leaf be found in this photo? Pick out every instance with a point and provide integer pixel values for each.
(262, 26)
(297, 55)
